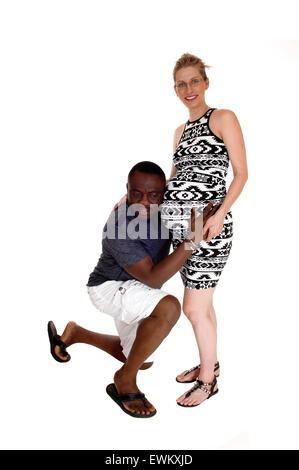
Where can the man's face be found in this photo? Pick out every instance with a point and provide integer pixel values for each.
(146, 189)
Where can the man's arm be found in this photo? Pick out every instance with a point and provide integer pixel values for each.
(156, 275)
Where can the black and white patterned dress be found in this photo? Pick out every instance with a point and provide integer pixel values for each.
(202, 161)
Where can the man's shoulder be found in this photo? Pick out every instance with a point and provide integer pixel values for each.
(116, 235)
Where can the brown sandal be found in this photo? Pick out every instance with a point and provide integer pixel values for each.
(216, 372)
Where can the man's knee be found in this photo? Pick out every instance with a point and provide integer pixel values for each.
(168, 310)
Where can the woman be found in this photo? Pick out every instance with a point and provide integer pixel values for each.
(203, 147)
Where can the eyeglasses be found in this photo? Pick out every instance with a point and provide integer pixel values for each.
(193, 84)
(152, 197)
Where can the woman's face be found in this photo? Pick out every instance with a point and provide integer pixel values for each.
(190, 87)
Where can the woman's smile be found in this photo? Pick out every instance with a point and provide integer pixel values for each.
(191, 97)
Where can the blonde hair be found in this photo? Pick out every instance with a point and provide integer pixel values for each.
(190, 60)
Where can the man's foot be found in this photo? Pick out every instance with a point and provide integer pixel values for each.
(67, 337)
(195, 396)
(123, 385)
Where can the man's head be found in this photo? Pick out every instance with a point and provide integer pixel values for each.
(146, 185)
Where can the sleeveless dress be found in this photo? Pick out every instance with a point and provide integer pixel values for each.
(201, 159)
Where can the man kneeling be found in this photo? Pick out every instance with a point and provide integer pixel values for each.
(126, 284)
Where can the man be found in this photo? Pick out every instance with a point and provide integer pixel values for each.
(126, 284)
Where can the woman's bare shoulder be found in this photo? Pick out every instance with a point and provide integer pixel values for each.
(222, 119)
(177, 135)
(179, 130)
(223, 114)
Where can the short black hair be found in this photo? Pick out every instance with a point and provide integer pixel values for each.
(147, 167)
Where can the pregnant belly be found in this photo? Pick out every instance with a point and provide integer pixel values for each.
(181, 196)
(181, 189)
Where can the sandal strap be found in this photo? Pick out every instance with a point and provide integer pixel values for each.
(61, 344)
(195, 387)
(192, 369)
(58, 342)
(216, 367)
(132, 397)
(202, 385)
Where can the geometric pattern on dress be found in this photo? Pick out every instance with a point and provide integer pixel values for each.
(201, 160)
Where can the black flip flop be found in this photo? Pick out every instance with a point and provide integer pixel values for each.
(120, 398)
(56, 341)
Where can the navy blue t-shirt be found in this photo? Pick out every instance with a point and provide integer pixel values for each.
(127, 240)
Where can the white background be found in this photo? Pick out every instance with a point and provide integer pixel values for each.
(87, 92)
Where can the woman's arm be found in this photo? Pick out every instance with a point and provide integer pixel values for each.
(230, 132)
(232, 136)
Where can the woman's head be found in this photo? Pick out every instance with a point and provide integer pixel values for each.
(190, 80)
(190, 60)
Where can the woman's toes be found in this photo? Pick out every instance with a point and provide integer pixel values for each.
(186, 376)
(182, 376)
(181, 398)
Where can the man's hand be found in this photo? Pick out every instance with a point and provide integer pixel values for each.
(208, 212)
(196, 226)
(121, 201)
(198, 223)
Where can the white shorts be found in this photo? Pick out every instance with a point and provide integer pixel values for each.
(128, 302)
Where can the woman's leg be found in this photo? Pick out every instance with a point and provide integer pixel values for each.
(198, 308)
(213, 316)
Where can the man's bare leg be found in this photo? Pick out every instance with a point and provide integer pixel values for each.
(74, 333)
(150, 334)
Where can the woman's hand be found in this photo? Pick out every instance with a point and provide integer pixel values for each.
(121, 201)
(214, 224)
(196, 233)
